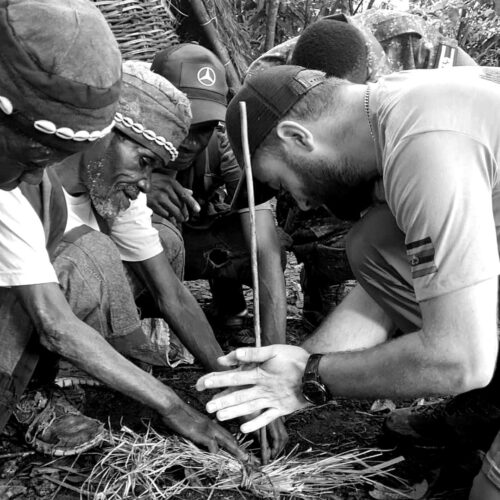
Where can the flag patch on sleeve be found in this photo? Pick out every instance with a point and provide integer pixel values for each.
(421, 257)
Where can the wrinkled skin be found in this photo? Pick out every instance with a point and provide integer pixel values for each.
(23, 158)
(117, 177)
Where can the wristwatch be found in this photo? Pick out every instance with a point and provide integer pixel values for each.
(313, 388)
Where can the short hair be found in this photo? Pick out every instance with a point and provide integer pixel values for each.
(335, 47)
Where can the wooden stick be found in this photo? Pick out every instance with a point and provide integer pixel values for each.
(253, 254)
(209, 29)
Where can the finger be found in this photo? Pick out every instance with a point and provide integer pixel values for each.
(264, 447)
(244, 399)
(231, 378)
(212, 446)
(248, 355)
(226, 440)
(243, 409)
(190, 202)
(172, 208)
(262, 420)
(278, 435)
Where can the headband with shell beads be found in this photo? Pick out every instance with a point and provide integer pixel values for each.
(48, 127)
(150, 135)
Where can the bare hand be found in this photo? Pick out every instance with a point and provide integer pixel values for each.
(277, 436)
(203, 431)
(273, 385)
(169, 199)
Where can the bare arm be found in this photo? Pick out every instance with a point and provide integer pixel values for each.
(272, 298)
(455, 352)
(180, 309)
(62, 332)
(357, 322)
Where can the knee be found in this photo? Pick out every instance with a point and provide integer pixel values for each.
(483, 489)
(171, 240)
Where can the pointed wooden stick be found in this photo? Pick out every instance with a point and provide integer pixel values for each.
(265, 452)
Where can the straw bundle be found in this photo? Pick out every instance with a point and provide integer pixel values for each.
(141, 27)
(145, 467)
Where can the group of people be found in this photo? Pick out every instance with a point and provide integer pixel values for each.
(121, 179)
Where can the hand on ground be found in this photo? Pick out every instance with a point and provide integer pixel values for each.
(203, 431)
(272, 386)
(169, 199)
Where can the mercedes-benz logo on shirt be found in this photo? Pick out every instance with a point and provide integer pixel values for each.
(206, 76)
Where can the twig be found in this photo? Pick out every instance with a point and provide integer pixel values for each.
(17, 455)
(265, 451)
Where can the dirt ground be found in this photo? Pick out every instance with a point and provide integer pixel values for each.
(338, 426)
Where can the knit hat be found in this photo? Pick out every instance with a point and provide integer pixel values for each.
(269, 96)
(199, 73)
(151, 111)
(60, 70)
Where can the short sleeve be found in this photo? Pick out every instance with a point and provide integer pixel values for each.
(440, 187)
(23, 255)
(133, 233)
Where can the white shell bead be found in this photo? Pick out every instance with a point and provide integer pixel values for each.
(45, 126)
(81, 135)
(5, 105)
(65, 133)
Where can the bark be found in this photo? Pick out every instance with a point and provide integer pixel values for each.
(217, 46)
(272, 16)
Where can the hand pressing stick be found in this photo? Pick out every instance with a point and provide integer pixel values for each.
(265, 451)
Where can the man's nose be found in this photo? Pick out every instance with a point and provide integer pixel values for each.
(144, 185)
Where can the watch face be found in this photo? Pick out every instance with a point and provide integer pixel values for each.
(314, 392)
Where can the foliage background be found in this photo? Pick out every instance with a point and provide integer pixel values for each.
(242, 23)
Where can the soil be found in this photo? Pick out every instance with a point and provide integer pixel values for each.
(337, 426)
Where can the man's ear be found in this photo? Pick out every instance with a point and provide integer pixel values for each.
(295, 134)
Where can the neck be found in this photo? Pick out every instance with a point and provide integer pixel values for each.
(70, 174)
(357, 139)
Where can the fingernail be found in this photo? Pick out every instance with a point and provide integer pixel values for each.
(210, 407)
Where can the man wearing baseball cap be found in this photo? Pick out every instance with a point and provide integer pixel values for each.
(426, 260)
(216, 239)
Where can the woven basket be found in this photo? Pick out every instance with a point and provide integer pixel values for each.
(142, 27)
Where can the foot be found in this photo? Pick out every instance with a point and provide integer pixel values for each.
(469, 419)
(54, 427)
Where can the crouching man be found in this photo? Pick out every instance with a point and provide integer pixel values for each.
(48, 111)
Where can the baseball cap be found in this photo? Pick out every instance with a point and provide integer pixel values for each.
(151, 111)
(60, 71)
(199, 73)
(269, 95)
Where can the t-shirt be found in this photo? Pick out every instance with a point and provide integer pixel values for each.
(438, 147)
(23, 256)
(132, 231)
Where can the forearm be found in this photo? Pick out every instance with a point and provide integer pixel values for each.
(406, 367)
(272, 300)
(357, 322)
(187, 320)
(62, 332)
(180, 309)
